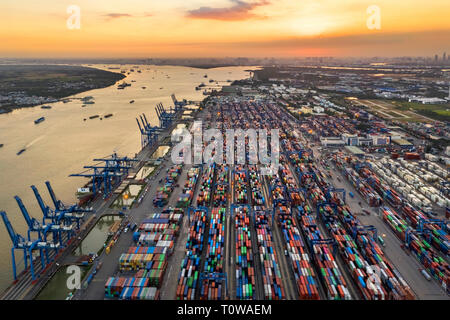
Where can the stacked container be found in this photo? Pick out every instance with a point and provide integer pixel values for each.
(163, 193)
(271, 274)
(212, 288)
(187, 194)
(331, 275)
(190, 266)
(240, 186)
(204, 195)
(245, 270)
(221, 191)
(305, 276)
(256, 187)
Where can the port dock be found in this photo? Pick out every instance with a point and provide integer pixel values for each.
(226, 231)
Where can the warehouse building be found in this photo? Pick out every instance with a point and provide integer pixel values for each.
(355, 151)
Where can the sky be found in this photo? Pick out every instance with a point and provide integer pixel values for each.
(223, 28)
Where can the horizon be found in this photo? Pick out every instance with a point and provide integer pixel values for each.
(203, 29)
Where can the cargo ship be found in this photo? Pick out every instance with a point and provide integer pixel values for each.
(123, 86)
(93, 117)
(39, 120)
(108, 115)
(84, 195)
(132, 101)
(21, 151)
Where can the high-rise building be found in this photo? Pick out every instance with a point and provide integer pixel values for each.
(444, 56)
(436, 58)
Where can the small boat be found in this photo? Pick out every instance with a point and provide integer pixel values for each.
(132, 101)
(21, 151)
(133, 80)
(93, 117)
(205, 76)
(46, 107)
(144, 87)
(39, 120)
(84, 105)
(1, 145)
(108, 115)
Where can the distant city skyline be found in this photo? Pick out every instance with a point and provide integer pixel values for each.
(223, 28)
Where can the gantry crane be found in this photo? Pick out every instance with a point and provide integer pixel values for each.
(43, 229)
(149, 134)
(28, 247)
(65, 216)
(178, 104)
(60, 206)
(115, 168)
(165, 117)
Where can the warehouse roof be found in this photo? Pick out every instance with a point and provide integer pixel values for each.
(354, 150)
(402, 142)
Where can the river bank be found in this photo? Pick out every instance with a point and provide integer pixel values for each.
(23, 86)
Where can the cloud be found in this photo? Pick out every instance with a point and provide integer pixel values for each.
(239, 11)
(117, 15)
(111, 16)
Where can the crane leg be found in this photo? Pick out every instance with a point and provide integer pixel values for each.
(13, 261)
(30, 253)
(43, 256)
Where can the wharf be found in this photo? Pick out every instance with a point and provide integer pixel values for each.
(26, 289)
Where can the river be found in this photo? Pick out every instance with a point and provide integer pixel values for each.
(64, 143)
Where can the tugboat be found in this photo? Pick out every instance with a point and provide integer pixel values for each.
(93, 117)
(46, 107)
(39, 120)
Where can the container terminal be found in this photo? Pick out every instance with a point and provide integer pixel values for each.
(330, 223)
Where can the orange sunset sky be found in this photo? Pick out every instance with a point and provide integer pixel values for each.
(219, 28)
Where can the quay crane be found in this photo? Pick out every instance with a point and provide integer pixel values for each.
(62, 215)
(59, 205)
(42, 229)
(178, 104)
(165, 117)
(114, 168)
(28, 247)
(149, 134)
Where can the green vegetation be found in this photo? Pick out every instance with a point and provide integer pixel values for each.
(439, 112)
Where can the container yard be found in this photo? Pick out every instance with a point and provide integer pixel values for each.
(326, 224)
